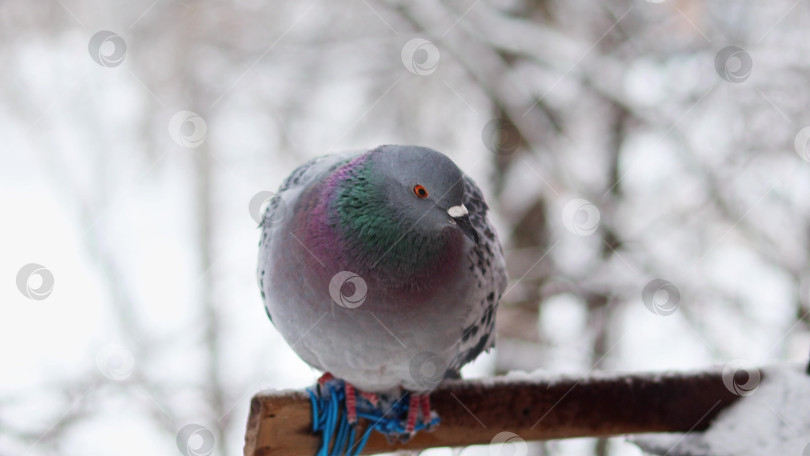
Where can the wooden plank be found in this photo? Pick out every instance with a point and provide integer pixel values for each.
(473, 412)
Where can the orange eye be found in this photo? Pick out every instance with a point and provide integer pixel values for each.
(420, 191)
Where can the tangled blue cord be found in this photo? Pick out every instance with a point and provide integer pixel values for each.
(330, 419)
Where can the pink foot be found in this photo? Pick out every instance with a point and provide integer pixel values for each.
(424, 404)
(371, 397)
(351, 403)
(325, 378)
(413, 412)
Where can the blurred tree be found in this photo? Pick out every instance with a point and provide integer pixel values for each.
(623, 142)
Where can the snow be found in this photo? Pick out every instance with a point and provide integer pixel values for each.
(773, 420)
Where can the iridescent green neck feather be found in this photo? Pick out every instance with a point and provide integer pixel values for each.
(376, 236)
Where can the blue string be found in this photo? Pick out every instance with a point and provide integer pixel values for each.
(329, 418)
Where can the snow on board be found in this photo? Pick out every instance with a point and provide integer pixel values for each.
(773, 419)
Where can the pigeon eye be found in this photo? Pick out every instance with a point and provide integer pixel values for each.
(420, 191)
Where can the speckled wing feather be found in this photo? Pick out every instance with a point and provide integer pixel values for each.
(487, 263)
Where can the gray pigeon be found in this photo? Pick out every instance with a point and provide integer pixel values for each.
(381, 269)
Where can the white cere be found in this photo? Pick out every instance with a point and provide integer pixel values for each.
(458, 211)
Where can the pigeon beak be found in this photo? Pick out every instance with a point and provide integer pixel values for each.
(461, 216)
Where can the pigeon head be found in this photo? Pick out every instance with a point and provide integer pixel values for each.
(401, 207)
(424, 187)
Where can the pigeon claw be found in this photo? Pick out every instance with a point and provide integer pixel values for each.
(372, 398)
(403, 438)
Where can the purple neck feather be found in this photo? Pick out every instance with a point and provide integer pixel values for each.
(331, 251)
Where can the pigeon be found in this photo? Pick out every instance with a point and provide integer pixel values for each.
(380, 268)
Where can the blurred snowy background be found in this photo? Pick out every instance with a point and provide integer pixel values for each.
(622, 145)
